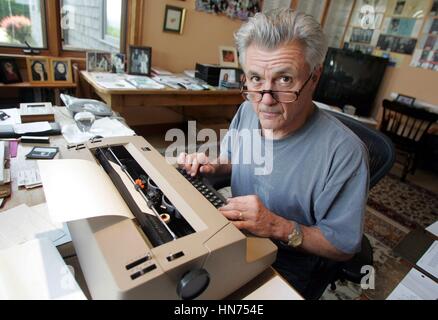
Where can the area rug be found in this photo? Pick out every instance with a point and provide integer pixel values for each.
(410, 205)
(384, 234)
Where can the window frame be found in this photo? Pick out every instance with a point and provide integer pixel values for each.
(106, 38)
(131, 32)
(103, 37)
(43, 9)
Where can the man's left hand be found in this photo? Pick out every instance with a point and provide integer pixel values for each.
(249, 213)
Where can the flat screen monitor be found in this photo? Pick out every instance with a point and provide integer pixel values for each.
(350, 78)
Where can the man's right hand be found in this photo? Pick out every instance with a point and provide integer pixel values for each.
(196, 163)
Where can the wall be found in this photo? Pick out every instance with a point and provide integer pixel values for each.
(415, 82)
(203, 34)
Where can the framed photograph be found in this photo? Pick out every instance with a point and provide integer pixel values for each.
(98, 61)
(61, 70)
(228, 57)
(174, 19)
(140, 60)
(362, 35)
(9, 72)
(399, 7)
(405, 100)
(38, 69)
(227, 76)
(118, 63)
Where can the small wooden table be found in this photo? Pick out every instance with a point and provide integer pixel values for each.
(135, 104)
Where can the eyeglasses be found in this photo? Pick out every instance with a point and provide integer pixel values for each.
(279, 96)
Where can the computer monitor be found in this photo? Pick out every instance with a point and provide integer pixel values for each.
(350, 78)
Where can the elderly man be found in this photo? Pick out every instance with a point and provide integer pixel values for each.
(311, 204)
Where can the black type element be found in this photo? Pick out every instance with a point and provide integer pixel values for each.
(151, 226)
(176, 228)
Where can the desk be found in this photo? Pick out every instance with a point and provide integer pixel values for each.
(134, 105)
(268, 285)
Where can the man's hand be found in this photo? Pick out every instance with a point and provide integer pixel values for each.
(250, 214)
(196, 162)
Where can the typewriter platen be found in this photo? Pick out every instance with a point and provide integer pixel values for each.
(179, 246)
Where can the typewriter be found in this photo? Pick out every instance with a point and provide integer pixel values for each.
(181, 248)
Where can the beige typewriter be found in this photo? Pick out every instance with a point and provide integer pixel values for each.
(181, 247)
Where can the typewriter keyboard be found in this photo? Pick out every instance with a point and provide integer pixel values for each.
(211, 194)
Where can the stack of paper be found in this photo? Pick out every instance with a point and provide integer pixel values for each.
(36, 271)
(104, 127)
(415, 286)
(22, 224)
(29, 178)
(33, 127)
(14, 117)
(144, 82)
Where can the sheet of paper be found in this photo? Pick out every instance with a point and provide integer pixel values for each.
(433, 228)
(415, 286)
(429, 261)
(43, 211)
(32, 127)
(104, 127)
(14, 115)
(131, 188)
(29, 178)
(22, 224)
(36, 271)
(79, 189)
(274, 289)
(122, 84)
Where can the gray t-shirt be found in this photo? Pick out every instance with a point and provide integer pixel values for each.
(318, 175)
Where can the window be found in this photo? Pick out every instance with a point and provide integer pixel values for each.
(22, 21)
(92, 25)
(113, 20)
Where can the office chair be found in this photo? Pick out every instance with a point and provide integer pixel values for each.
(406, 127)
(381, 155)
(381, 159)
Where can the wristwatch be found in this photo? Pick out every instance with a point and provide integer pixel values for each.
(295, 238)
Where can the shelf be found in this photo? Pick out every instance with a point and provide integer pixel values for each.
(28, 85)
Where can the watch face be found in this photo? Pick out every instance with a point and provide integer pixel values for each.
(296, 241)
(295, 238)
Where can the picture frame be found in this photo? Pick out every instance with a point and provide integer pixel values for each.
(140, 60)
(98, 61)
(407, 100)
(174, 18)
(38, 70)
(9, 71)
(118, 61)
(61, 70)
(227, 76)
(228, 57)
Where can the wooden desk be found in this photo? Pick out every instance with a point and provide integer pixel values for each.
(135, 104)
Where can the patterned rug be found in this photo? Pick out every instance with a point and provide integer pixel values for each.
(404, 202)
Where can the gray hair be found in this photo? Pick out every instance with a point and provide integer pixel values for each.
(280, 26)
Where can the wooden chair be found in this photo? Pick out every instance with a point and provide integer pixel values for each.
(406, 126)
